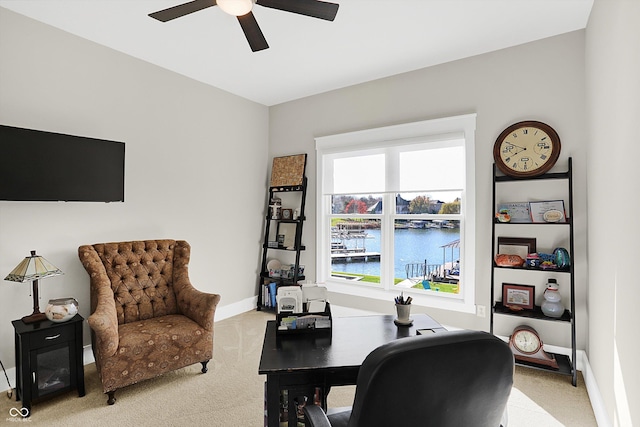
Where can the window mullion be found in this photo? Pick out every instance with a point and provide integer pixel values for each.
(386, 263)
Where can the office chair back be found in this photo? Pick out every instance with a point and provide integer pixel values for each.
(457, 378)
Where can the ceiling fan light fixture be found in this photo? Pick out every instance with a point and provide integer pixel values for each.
(236, 7)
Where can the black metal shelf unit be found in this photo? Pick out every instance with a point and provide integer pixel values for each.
(567, 365)
(264, 277)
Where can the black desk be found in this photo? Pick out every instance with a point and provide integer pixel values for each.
(302, 362)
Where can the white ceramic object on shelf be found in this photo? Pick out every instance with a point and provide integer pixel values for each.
(61, 309)
(552, 306)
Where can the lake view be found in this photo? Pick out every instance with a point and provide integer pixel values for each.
(411, 246)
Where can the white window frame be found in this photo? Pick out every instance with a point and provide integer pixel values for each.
(458, 127)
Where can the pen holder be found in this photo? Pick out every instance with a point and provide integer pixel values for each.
(403, 311)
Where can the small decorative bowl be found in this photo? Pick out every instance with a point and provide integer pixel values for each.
(61, 309)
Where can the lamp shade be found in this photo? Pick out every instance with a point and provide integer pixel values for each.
(32, 268)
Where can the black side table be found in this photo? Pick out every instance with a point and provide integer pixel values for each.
(48, 359)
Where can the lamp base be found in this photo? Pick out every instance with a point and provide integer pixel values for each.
(35, 317)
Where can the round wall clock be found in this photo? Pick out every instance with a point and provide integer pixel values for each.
(526, 345)
(526, 149)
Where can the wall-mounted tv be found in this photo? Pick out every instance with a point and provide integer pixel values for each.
(46, 166)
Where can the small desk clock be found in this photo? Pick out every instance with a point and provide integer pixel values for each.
(526, 345)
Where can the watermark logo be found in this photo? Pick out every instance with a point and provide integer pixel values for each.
(19, 415)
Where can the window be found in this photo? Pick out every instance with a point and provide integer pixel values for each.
(396, 212)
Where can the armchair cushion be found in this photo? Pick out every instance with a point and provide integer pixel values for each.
(151, 347)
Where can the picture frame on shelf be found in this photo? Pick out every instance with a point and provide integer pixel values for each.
(547, 211)
(288, 231)
(521, 246)
(518, 297)
(288, 170)
(519, 212)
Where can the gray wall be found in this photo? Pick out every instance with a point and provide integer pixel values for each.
(196, 166)
(543, 80)
(613, 99)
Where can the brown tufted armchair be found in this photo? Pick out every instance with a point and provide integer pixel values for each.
(146, 317)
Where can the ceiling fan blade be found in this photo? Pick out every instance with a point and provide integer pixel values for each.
(182, 10)
(252, 32)
(313, 8)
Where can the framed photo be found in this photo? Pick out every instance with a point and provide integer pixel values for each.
(522, 296)
(288, 170)
(518, 211)
(548, 211)
(288, 231)
(521, 246)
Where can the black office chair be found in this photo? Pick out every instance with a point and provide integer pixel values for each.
(457, 378)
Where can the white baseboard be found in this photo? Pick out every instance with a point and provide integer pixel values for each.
(599, 411)
(582, 365)
(236, 308)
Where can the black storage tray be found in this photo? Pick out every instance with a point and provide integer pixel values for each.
(305, 331)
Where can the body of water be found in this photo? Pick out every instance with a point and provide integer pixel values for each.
(412, 246)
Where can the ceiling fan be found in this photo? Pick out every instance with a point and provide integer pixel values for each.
(242, 10)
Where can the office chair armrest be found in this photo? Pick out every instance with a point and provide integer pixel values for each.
(315, 417)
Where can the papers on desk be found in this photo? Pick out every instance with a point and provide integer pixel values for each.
(309, 321)
(315, 297)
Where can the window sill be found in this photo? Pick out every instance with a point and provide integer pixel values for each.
(444, 301)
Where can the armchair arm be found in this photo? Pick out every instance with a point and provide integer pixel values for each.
(104, 318)
(197, 305)
(104, 323)
(315, 416)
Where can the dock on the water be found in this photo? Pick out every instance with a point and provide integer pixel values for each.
(355, 257)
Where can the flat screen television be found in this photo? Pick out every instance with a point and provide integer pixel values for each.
(46, 166)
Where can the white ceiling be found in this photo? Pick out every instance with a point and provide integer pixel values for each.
(369, 39)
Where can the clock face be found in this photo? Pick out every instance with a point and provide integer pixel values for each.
(526, 149)
(526, 341)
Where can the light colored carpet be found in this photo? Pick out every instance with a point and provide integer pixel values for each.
(231, 393)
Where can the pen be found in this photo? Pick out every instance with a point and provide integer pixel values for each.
(400, 300)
